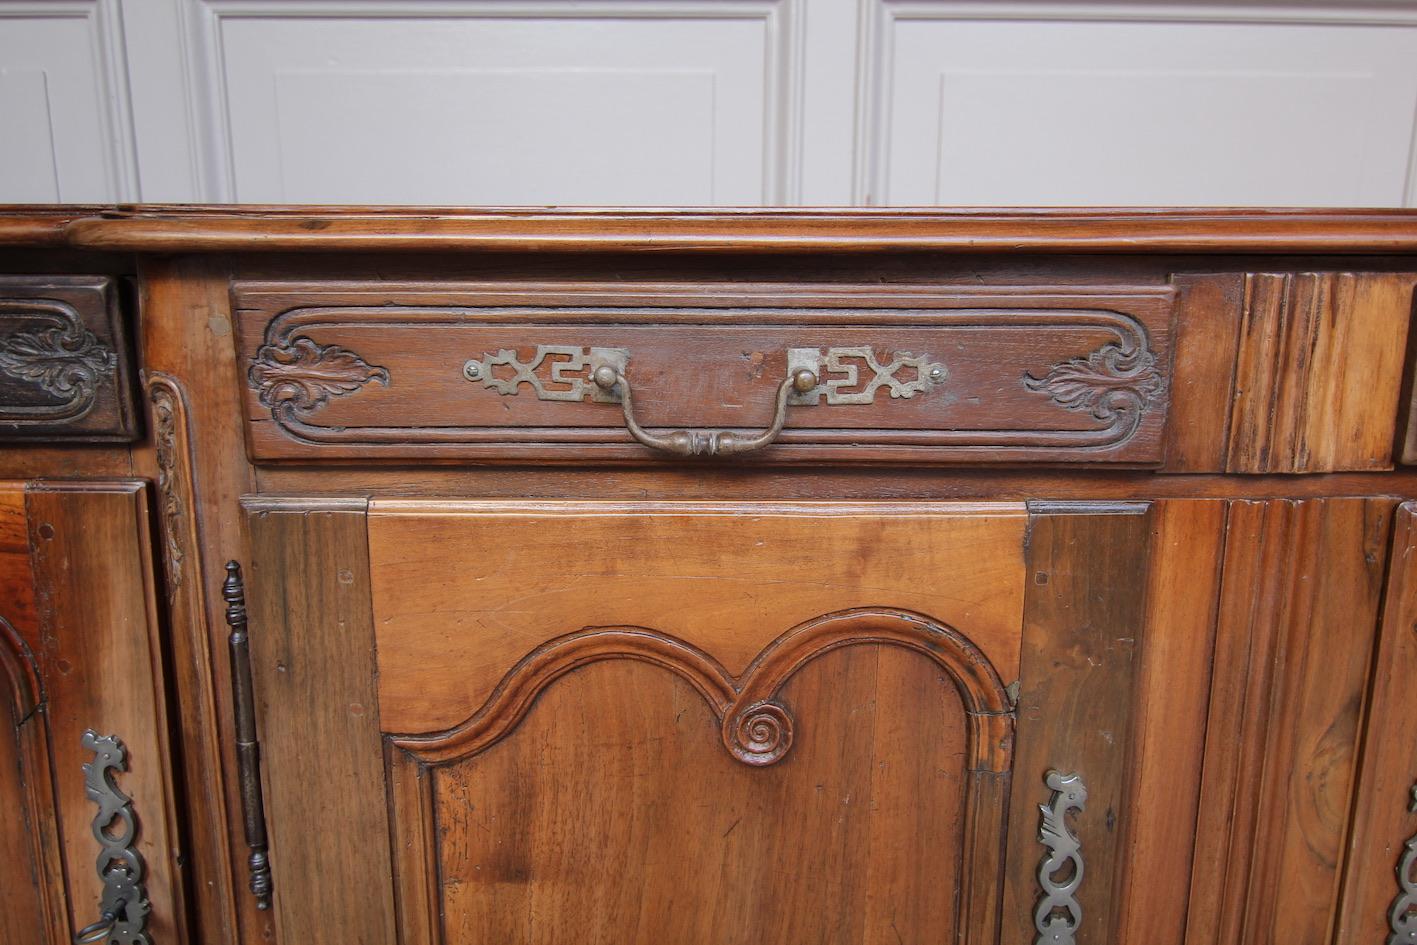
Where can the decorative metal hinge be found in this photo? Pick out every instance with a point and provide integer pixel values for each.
(1058, 913)
(123, 906)
(1402, 917)
(248, 749)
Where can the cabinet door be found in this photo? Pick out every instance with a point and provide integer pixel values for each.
(79, 650)
(694, 723)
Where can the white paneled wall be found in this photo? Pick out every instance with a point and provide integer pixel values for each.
(700, 102)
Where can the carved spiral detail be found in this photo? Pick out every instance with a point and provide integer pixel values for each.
(759, 734)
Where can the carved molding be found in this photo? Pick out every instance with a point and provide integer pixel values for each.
(299, 376)
(1402, 917)
(756, 729)
(1114, 383)
(174, 481)
(1059, 913)
(59, 356)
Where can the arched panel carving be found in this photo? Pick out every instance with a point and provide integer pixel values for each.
(756, 726)
(755, 729)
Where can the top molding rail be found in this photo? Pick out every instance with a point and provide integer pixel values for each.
(193, 229)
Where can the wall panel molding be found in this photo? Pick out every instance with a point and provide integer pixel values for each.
(783, 23)
(80, 130)
(878, 56)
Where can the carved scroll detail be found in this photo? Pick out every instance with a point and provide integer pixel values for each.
(1402, 917)
(1113, 382)
(124, 905)
(61, 357)
(1058, 913)
(301, 375)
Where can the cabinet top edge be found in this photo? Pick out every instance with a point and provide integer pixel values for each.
(250, 228)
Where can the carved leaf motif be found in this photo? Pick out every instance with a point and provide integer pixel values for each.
(1106, 382)
(66, 361)
(305, 375)
(165, 412)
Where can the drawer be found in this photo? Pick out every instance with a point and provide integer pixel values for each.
(65, 370)
(514, 372)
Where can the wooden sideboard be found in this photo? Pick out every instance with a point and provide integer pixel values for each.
(400, 577)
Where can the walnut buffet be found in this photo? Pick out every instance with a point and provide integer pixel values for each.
(400, 577)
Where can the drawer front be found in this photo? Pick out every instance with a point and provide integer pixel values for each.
(445, 372)
(65, 370)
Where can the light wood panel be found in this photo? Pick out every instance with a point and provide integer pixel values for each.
(1084, 611)
(1318, 371)
(1383, 818)
(1294, 639)
(312, 647)
(462, 591)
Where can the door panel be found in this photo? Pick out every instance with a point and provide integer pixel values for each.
(83, 652)
(687, 722)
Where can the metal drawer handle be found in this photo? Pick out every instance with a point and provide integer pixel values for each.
(123, 906)
(703, 442)
(844, 376)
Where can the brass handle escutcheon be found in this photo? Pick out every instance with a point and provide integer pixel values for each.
(703, 442)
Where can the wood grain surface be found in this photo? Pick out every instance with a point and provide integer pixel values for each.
(101, 664)
(462, 591)
(1084, 611)
(1383, 819)
(1318, 371)
(1172, 692)
(1298, 612)
(160, 228)
(312, 660)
